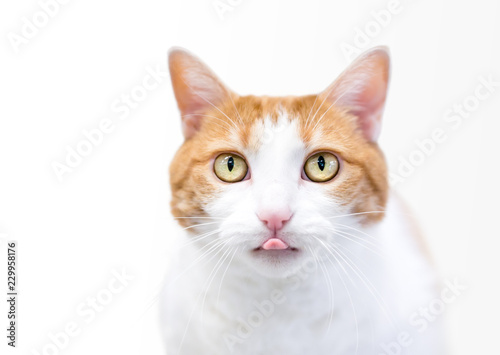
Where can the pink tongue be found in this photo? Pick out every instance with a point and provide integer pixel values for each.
(274, 244)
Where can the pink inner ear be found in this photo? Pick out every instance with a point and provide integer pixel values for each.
(196, 88)
(191, 124)
(274, 244)
(362, 88)
(369, 110)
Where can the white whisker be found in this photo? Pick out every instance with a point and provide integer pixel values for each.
(357, 230)
(356, 214)
(160, 292)
(212, 276)
(199, 225)
(310, 111)
(237, 112)
(198, 238)
(224, 274)
(350, 299)
(199, 217)
(194, 307)
(365, 280)
(367, 247)
(328, 109)
(331, 294)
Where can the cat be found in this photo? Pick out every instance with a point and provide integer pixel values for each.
(292, 242)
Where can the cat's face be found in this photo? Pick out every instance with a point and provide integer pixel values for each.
(268, 176)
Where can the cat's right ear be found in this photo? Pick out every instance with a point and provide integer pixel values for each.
(362, 90)
(197, 89)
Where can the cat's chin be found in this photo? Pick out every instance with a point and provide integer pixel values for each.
(275, 255)
(276, 263)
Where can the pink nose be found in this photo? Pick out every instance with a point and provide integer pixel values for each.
(275, 219)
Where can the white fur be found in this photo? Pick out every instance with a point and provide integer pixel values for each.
(206, 298)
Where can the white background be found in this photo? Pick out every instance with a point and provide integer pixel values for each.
(112, 211)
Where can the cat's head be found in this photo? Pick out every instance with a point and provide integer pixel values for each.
(268, 176)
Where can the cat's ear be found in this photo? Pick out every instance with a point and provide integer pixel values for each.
(196, 89)
(362, 89)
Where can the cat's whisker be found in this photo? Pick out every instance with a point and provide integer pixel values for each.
(310, 111)
(358, 242)
(340, 264)
(370, 212)
(349, 297)
(199, 225)
(210, 245)
(202, 217)
(213, 245)
(315, 113)
(159, 293)
(376, 246)
(357, 230)
(153, 298)
(178, 248)
(198, 238)
(356, 214)
(331, 294)
(195, 304)
(366, 281)
(328, 109)
(370, 240)
(211, 278)
(224, 274)
(322, 102)
(237, 112)
(352, 254)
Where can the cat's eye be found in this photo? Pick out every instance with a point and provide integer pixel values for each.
(321, 167)
(230, 167)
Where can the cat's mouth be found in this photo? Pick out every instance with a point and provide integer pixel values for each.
(275, 245)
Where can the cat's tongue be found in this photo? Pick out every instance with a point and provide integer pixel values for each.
(274, 244)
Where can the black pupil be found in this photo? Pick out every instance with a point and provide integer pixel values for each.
(230, 164)
(321, 162)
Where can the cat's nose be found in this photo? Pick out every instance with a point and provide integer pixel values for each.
(275, 219)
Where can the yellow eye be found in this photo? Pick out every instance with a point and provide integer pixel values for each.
(230, 167)
(321, 167)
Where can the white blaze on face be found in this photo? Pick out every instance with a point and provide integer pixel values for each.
(277, 164)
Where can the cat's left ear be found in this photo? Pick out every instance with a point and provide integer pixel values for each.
(197, 89)
(362, 89)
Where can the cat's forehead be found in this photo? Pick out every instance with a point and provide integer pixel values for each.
(289, 128)
(269, 133)
(276, 143)
(288, 124)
